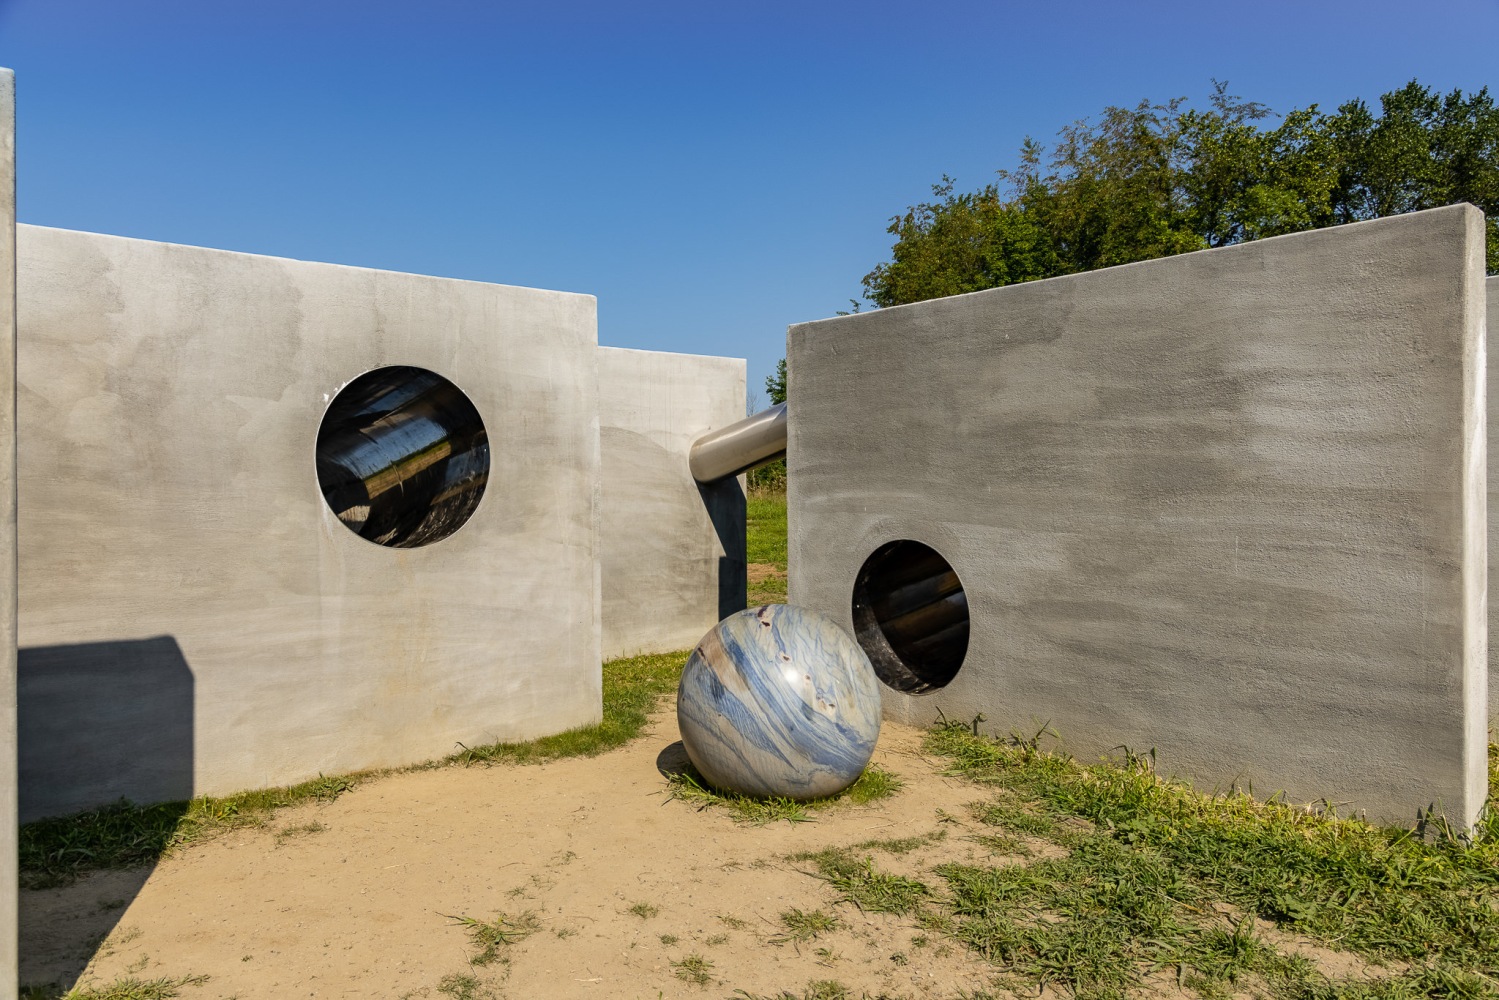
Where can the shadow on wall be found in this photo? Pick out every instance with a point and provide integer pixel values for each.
(101, 721)
(725, 503)
(96, 722)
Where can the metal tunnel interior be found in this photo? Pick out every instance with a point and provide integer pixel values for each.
(402, 457)
(911, 616)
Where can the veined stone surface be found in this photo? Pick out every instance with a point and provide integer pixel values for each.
(778, 700)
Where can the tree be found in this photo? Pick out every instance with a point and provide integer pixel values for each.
(775, 385)
(1161, 179)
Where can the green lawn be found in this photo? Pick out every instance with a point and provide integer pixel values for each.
(766, 526)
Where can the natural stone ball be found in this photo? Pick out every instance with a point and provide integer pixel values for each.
(779, 700)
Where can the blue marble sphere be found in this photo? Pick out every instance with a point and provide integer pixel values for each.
(779, 700)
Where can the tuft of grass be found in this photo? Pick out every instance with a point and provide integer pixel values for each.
(865, 886)
(120, 989)
(645, 910)
(693, 969)
(689, 786)
(632, 688)
(901, 845)
(874, 784)
(827, 989)
(802, 926)
(1002, 843)
(818, 989)
(299, 830)
(465, 986)
(668, 939)
(55, 852)
(1012, 817)
(491, 936)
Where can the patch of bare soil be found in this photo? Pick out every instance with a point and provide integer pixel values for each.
(358, 898)
(761, 572)
(767, 584)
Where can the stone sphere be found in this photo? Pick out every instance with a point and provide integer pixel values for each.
(779, 700)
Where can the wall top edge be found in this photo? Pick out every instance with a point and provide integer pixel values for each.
(643, 353)
(1460, 209)
(164, 245)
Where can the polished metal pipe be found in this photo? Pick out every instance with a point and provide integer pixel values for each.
(739, 447)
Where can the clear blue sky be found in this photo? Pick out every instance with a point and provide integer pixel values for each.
(712, 171)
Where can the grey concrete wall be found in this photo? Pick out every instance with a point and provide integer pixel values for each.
(193, 618)
(1229, 505)
(671, 552)
(1492, 288)
(9, 965)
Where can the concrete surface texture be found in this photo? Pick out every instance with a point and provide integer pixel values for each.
(193, 616)
(9, 969)
(1228, 505)
(1492, 287)
(671, 552)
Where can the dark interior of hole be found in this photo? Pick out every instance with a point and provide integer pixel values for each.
(911, 616)
(402, 457)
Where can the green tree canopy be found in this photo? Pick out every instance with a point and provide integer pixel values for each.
(1161, 179)
(775, 384)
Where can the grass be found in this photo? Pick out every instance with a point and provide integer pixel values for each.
(1158, 879)
(818, 989)
(645, 911)
(803, 926)
(901, 845)
(491, 937)
(765, 525)
(465, 986)
(122, 989)
(55, 852)
(299, 830)
(689, 786)
(859, 882)
(693, 969)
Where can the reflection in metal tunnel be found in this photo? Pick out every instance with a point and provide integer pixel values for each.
(911, 616)
(402, 457)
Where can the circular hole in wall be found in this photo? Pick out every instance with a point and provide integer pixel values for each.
(402, 457)
(911, 616)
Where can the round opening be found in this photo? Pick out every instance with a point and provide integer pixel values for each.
(402, 457)
(911, 616)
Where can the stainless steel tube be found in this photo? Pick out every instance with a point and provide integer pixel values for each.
(739, 447)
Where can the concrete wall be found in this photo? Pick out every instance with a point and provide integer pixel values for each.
(193, 618)
(1492, 287)
(671, 552)
(1229, 505)
(9, 967)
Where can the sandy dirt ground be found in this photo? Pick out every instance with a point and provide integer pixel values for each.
(357, 898)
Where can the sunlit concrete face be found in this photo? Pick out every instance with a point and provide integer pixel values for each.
(671, 551)
(1492, 287)
(1228, 505)
(196, 617)
(8, 813)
